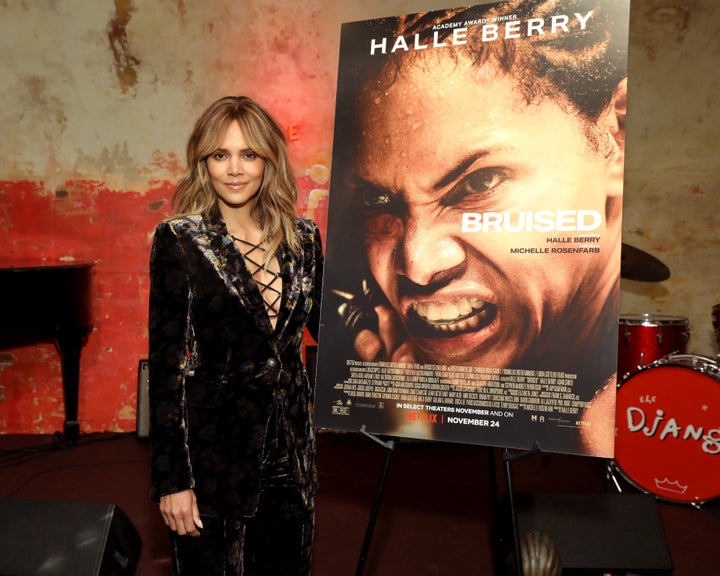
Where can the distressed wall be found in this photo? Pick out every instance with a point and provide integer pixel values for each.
(98, 99)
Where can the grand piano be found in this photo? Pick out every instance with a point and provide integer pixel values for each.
(49, 302)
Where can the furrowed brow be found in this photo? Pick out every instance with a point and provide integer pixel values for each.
(359, 185)
(458, 170)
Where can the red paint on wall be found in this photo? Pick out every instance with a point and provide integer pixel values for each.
(83, 220)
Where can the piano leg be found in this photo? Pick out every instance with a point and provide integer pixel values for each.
(69, 347)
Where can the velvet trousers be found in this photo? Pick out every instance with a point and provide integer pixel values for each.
(277, 541)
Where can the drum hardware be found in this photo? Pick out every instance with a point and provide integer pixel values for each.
(635, 264)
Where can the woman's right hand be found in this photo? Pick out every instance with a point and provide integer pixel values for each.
(180, 512)
(390, 344)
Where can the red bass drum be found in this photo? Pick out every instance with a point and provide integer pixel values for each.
(668, 429)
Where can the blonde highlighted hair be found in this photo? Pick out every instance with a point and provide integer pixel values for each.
(275, 209)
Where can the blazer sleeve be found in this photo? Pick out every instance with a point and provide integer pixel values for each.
(170, 359)
(313, 324)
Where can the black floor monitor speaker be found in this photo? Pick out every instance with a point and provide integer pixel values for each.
(41, 537)
(599, 533)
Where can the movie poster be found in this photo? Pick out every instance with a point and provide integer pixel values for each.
(474, 226)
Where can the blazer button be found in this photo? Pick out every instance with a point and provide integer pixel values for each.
(272, 363)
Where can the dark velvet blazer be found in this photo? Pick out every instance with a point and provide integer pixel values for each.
(217, 365)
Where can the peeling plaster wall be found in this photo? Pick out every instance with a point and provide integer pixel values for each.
(98, 99)
(672, 181)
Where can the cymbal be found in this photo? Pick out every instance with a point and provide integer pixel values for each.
(635, 264)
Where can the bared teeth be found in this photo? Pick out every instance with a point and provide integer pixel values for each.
(466, 324)
(456, 314)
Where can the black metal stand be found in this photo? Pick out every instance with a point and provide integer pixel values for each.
(509, 458)
(389, 445)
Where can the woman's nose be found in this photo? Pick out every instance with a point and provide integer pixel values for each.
(235, 166)
(429, 254)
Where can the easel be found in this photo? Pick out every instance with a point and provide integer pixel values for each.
(509, 458)
(389, 446)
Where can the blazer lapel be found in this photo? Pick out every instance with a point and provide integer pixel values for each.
(290, 273)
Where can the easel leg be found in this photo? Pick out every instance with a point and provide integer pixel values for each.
(513, 517)
(509, 458)
(389, 446)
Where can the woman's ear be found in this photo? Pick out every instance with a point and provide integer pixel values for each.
(619, 109)
(612, 124)
(612, 120)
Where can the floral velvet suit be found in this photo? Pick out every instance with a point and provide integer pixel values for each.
(217, 366)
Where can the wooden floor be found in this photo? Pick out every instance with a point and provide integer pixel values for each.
(436, 515)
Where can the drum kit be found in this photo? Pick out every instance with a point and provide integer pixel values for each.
(667, 430)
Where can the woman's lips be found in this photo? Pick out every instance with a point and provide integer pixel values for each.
(443, 318)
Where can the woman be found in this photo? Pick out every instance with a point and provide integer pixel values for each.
(235, 279)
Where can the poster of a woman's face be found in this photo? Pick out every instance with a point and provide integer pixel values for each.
(479, 183)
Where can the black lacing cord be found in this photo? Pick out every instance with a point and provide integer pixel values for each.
(273, 305)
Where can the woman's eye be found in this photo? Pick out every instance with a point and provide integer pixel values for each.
(477, 183)
(377, 201)
(219, 156)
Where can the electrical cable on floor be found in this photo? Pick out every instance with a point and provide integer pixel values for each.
(18, 456)
(37, 475)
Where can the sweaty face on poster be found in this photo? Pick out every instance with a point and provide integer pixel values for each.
(474, 226)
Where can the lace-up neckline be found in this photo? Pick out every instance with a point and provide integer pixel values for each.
(269, 281)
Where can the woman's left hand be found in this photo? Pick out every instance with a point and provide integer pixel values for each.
(180, 512)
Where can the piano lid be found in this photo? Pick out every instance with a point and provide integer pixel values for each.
(45, 296)
(27, 263)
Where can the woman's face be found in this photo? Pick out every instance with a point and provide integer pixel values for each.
(236, 172)
(449, 139)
